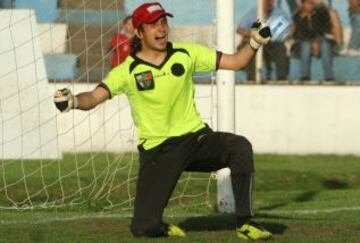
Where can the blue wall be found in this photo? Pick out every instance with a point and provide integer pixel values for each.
(186, 12)
(202, 12)
(46, 10)
(79, 16)
(61, 66)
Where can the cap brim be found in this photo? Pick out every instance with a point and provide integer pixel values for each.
(156, 17)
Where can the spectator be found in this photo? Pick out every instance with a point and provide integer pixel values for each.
(274, 51)
(336, 33)
(336, 25)
(120, 43)
(293, 6)
(313, 35)
(354, 13)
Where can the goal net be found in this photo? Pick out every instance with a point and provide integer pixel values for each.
(82, 159)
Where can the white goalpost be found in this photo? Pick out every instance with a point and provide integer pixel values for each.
(225, 96)
(88, 159)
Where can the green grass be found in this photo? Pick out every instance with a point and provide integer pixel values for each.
(299, 198)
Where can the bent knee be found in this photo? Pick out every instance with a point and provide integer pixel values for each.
(242, 156)
(242, 144)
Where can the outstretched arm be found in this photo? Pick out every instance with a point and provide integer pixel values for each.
(243, 32)
(65, 101)
(239, 60)
(260, 34)
(89, 100)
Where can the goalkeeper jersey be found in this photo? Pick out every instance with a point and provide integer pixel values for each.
(162, 97)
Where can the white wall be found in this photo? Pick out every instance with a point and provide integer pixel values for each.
(53, 37)
(300, 119)
(27, 124)
(276, 119)
(196, 33)
(108, 127)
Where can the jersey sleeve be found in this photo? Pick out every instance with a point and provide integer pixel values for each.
(114, 82)
(205, 59)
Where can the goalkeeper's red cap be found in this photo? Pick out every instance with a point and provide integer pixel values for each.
(148, 13)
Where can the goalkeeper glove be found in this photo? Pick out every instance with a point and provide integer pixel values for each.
(64, 100)
(260, 34)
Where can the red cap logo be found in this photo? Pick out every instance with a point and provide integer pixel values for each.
(148, 13)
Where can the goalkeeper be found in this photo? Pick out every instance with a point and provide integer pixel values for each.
(157, 79)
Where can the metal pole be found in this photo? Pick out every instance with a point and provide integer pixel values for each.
(259, 55)
(225, 80)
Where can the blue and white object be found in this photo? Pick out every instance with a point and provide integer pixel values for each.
(279, 26)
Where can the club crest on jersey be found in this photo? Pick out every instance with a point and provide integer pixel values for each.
(144, 81)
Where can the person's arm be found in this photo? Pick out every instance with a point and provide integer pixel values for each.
(260, 34)
(239, 60)
(65, 101)
(354, 6)
(337, 29)
(89, 100)
(243, 32)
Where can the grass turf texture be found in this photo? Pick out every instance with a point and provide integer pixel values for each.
(298, 198)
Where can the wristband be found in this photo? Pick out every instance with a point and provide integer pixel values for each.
(254, 44)
(75, 102)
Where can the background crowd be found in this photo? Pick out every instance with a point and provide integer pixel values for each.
(316, 32)
(317, 36)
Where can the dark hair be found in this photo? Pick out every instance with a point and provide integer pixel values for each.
(126, 19)
(303, 1)
(136, 42)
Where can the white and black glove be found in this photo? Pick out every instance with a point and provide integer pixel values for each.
(64, 100)
(260, 34)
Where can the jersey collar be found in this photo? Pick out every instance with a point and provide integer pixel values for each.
(138, 61)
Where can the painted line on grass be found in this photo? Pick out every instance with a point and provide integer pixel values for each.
(122, 216)
(65, 218)
(314, 211)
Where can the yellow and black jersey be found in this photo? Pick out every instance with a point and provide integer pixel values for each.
(162, 97)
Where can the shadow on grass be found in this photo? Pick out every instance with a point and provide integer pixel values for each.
(294, 217)
(223, 222)
(273, 206)
(335, 183)
(306, 196)
(303, 197)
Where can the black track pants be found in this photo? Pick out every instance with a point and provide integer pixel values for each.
(203, 151)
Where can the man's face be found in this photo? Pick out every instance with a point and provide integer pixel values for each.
(318, 2)
(155, 35)
(308, 6)
(268, 5)
(128, 27)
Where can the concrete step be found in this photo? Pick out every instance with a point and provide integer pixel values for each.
(92, 4)
(83, 16)
(346, 69)
(89, 60)
(82, 32)
(92, 75)
(89, 53)
(92, 46)
(61, 66)
(46, 11)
